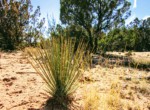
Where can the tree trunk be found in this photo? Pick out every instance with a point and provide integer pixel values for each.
(95, 44)
(90, 43)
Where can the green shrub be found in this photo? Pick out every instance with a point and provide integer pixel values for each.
(59, 66)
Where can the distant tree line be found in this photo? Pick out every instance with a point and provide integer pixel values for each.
(100, 23)
(135, 36)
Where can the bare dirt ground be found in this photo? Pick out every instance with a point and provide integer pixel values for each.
(20, 86)
(101, 88)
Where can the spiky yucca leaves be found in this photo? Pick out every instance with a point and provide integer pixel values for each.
(59, 66)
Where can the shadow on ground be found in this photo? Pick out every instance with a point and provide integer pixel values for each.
(109, 60)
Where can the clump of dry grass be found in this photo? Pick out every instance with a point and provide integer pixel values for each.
(113, 97)
(91, 99)
(144, 87)
(110, 100)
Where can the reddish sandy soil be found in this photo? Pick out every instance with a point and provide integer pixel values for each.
(21, 88)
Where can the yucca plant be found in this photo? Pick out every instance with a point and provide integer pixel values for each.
(59, 64)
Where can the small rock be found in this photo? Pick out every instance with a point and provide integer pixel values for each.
(6, 80)
(87, 79)
(1, 106)
(128, 78)
(17, 92)
(13, 78)
(9, 83)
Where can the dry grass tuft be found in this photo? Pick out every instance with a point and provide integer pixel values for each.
(91, 99)
(144, 87)
(113, 97)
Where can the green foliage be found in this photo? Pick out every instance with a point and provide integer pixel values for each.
(14, 15)
(59, 66)
(73, 31)
(115, 40)
(15, 18)
(134, 37)
(141, 30)
(94, 16)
